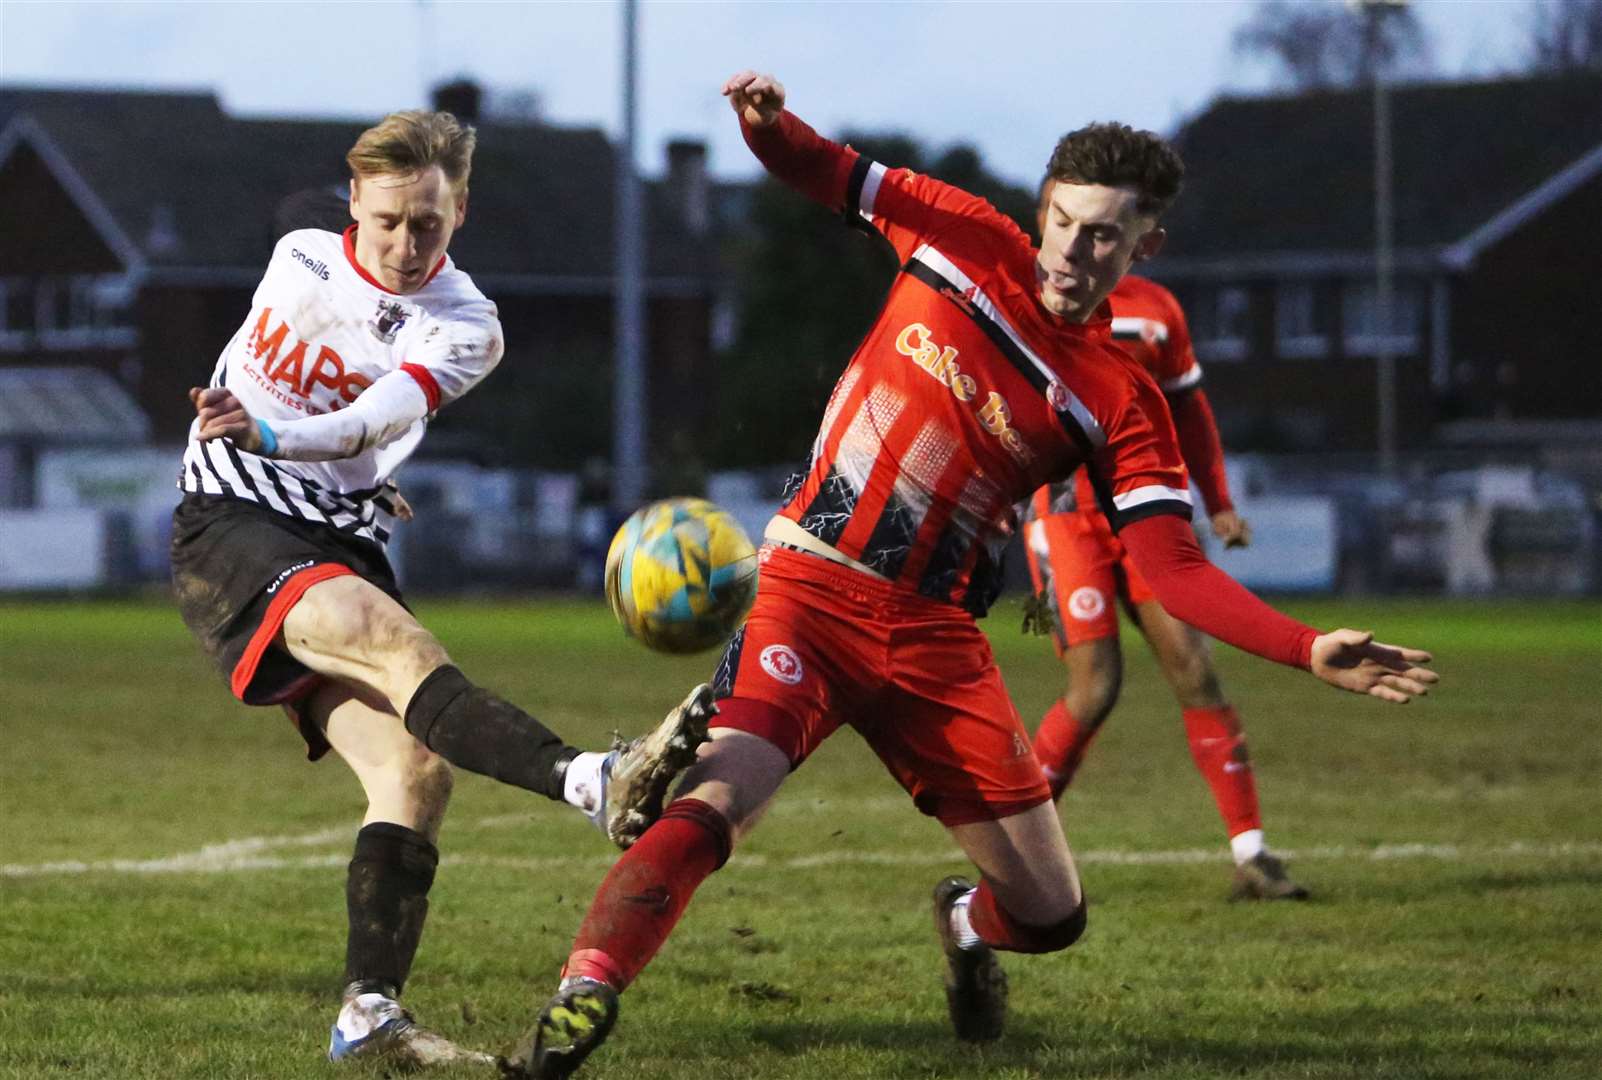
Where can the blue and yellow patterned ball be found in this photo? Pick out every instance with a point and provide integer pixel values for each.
(681, 575)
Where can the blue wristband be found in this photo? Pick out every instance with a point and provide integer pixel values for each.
(269, 441)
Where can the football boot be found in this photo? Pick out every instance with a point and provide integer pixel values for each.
(1263, 877)
(374, 1025)
(976, 987)
(636, 775)
(573, 1023)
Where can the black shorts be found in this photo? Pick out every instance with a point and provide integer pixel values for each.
(237, 570)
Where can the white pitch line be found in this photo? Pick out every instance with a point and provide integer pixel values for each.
(237, 856)
(228, 855)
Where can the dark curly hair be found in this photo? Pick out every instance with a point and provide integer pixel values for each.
(1118, 156)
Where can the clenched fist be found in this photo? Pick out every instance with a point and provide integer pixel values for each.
(223, 417)
(759, 99)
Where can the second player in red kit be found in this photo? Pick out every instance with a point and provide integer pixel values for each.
(1084, 573)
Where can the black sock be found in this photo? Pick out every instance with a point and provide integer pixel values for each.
(386, 898)
(477, 731)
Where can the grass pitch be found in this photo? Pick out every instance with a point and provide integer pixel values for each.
(171, 872)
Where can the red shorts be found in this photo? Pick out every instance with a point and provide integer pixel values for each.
(826, 645)
(1079, 564)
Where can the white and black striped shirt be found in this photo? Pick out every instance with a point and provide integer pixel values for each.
(319, 333)
(220, 468)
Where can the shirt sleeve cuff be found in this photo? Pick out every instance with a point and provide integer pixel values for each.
(425, 382)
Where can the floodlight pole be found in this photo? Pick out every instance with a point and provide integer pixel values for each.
(1384, 274)
(628, 303)
(1384, 234)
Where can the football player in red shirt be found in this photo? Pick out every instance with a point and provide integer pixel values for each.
(989, 371)
(1080, 568)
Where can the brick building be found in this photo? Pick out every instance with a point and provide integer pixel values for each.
(1498, 278)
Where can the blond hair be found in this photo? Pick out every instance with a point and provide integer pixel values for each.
(408, 142)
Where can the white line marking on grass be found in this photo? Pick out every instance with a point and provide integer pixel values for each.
(237, 856)
(174, 864)
(240, 854)
(505, 821)
(1437, 852)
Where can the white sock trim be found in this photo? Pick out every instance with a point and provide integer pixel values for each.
(584, 784)
(967, 937)
(1247, 845)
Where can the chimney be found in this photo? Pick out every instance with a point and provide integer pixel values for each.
(462, 98)
(688, 186)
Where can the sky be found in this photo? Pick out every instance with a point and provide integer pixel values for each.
(1006, 77)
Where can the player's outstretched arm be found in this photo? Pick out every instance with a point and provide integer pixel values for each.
(1194, 591)
(1353, 660)
(904, 206)
(785, 145)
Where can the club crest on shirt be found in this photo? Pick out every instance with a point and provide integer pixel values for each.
(963, 299)
(387, 321)
(1057, 394)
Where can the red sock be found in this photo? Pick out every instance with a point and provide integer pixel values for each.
(646, 892)
(998, 929)
(1218, 746)
(1060, 744)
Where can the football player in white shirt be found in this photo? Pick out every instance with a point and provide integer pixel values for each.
(353, 340)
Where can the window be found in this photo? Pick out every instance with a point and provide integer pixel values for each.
(725, 322)
(1220, 321)
(1300, 327)
(16, 313)
(111, 303)
(85, 311)
(1360, 317)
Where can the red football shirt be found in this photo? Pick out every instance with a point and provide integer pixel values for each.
(966, 395)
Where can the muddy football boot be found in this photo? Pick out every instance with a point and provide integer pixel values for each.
(1263, 877)
(573, 1023)
(976, 987)
(637, 775)
(375, 1026)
